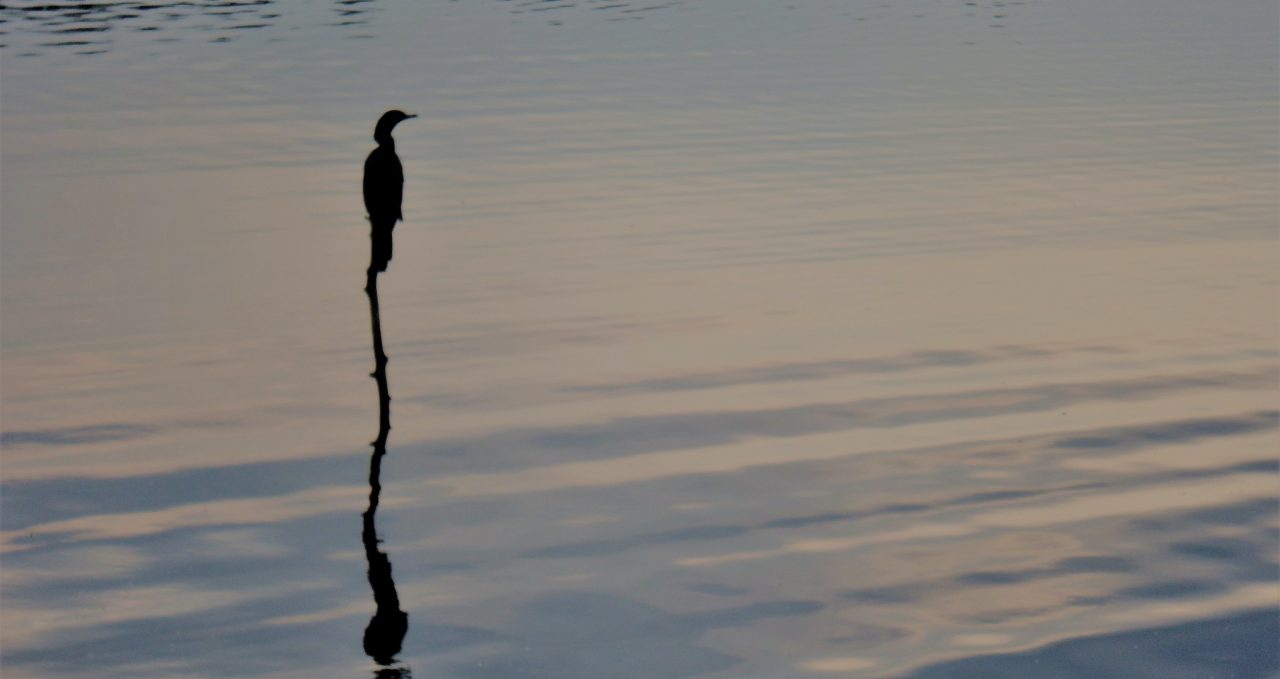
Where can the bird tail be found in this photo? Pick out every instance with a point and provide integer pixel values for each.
(380, 254)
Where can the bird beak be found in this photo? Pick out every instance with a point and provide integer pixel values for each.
(410, 115)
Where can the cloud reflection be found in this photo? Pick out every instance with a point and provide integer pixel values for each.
(588, 635)
(1241, 645)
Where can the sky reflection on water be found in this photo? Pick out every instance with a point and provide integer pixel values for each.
(728, 339)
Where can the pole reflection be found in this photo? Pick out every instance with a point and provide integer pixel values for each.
(385, 632)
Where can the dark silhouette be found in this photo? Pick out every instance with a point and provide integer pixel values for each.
(383, 191)
(385, 632)
(383, 188)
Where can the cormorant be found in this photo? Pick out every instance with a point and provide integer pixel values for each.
(383, 189)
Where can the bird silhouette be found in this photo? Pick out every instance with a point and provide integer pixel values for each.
(383, 189)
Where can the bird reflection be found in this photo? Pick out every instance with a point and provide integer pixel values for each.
(385, 632)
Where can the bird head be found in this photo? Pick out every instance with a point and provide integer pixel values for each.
(382, 131)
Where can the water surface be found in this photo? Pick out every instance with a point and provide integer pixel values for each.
(726, 339)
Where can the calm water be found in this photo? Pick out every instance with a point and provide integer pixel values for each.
(727, 338)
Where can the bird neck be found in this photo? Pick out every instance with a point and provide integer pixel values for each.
(385, 141)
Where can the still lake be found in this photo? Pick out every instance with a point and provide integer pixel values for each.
(727, 338)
